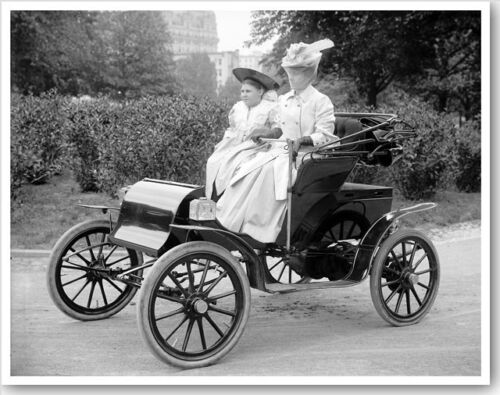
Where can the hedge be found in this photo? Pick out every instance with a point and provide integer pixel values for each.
(158, 137)
(108, 144)
(38, 139)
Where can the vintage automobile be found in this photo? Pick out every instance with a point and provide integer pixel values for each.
(195, 276)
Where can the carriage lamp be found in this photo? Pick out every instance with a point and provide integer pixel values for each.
(202, 209)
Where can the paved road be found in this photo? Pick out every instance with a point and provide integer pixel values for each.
(333, 332)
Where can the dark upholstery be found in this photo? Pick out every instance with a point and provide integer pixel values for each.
(345, 126)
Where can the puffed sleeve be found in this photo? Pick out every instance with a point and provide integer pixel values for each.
(324, 121)
(231, 130)
(274, 116)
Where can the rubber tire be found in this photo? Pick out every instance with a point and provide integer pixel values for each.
(378, 266)
(156, 271)
(66, 239)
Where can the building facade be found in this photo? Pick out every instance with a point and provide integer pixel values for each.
(192, 31)
(251, 61)
(224, 62)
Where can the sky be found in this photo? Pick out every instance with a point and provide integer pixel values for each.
(233, 28)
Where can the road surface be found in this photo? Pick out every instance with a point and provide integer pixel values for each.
(331, 332)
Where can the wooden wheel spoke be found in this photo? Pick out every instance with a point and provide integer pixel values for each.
(80, 291)
(78, 254)
(114, 285)
(217, 281)
(76, 267)
(398, 303)
(408, 305)
(188, 334)
(203, 276)
(170, 314)
(214, 325)
(389, 283)
(113, 249)
(397, 260)
(220, 296)
(403, 247)
(102, 244)
(392, 294)
(117, 261)
(191, 286)
(89, 302)
(412, 256)
(419, 261)
(202, 333)
(102, 292)
(222, 311)
(177, 328)
(424, 271)
(74, 280)
(282, 271)
(276, 264)
(416, 296)
(178, 285)
(423, 285)
(91, 250)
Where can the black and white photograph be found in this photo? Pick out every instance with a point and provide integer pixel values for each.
(246, 193)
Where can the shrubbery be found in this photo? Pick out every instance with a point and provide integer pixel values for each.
(111, 144)
(160, 137)
(441, 156)
(38, 141)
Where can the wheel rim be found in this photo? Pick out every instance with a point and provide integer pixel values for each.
(85, 273)
(408, 279)
(196, 306)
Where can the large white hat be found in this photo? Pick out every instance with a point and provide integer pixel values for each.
(305, 55)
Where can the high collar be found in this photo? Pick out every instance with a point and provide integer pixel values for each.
(304, 95)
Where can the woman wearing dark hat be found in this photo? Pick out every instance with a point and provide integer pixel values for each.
(256, 111)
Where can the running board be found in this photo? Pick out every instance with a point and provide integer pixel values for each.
(285, 288)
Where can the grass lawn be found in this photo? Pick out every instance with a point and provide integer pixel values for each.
(44, 212)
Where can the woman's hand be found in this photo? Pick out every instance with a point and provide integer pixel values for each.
(264, 132)
(297, 143)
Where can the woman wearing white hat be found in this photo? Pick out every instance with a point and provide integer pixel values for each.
(257, 110)
(255, 199)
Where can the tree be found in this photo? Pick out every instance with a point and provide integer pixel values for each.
(452, 79)
(51, 49)
(134, 58)
(79, 52)
(196, 75)
(230, 91)
(373, 48)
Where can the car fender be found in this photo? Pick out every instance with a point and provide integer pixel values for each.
(370, 243)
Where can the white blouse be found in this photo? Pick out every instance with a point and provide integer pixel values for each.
(309, 113)
(243, 120)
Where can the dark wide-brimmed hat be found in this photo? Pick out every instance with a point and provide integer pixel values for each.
(243, 74)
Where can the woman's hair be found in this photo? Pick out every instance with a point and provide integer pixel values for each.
(254, 83)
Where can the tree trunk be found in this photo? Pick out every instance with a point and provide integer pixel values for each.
(372, 96)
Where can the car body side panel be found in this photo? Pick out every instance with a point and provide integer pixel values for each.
(148, 209)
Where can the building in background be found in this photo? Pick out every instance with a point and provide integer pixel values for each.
(251, 61)
(192, 31)
(196, 32)
(224, 62)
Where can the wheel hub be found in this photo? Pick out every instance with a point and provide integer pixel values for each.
(200, 306)
(196, 305)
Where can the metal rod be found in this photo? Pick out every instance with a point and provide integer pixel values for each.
(289, 143)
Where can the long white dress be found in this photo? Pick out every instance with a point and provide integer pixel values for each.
(255, 198)
(235, 147)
